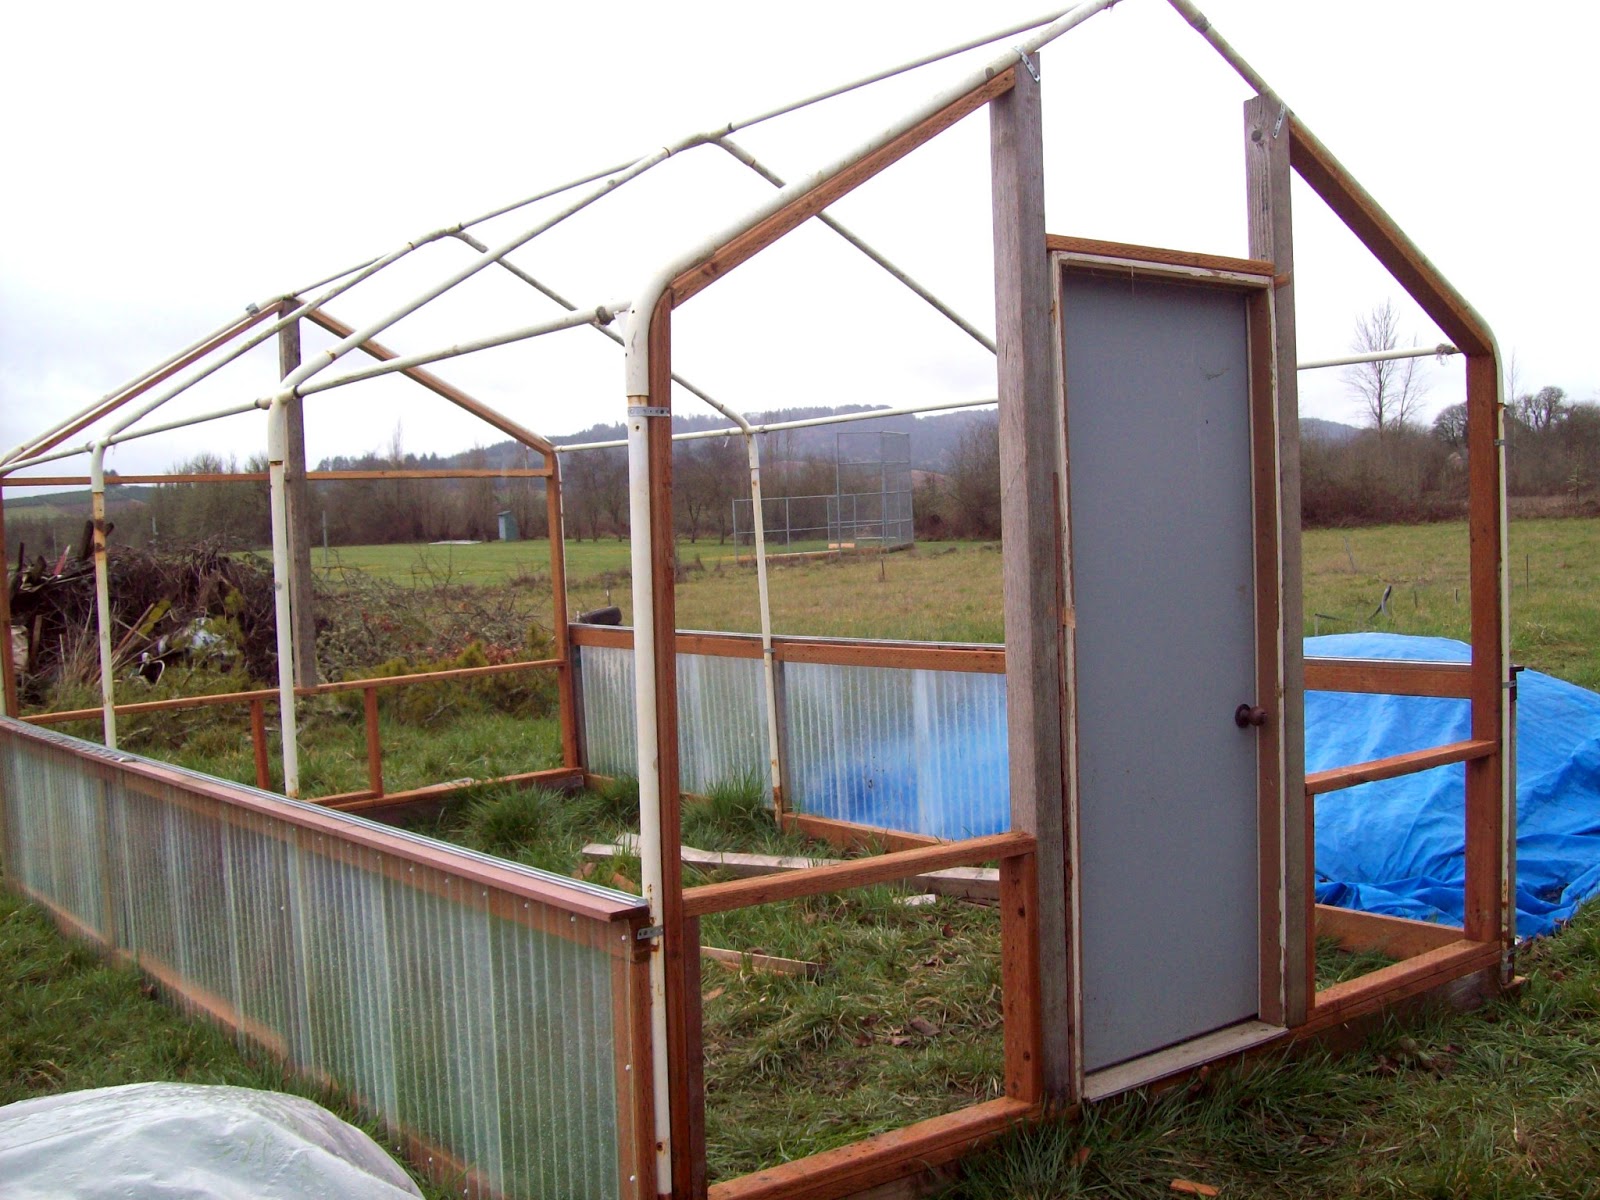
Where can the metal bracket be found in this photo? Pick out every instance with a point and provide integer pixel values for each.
(650, 410)
(1027, 62)
(1277, 126)
(649, 933)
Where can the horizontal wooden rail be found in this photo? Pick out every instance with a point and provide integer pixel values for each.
(859, 872)
(1410, 763)
(364, 801)
(387, 681)
(843, 652)
(260, 695)
(1389, 985)
(1389, 677)
(1398, 937)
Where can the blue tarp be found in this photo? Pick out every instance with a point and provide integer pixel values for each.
(1398, 846)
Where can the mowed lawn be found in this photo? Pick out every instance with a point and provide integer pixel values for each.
(950, 591)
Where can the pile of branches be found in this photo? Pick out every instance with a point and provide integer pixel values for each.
(164, 604)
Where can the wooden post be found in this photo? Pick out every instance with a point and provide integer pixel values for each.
(297, 493)
(1030, 505)
(369, 704)
(566, 686)
(258, 744)
(1488, 902)
(1267, 154)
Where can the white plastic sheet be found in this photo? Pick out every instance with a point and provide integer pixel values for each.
(174, 1141)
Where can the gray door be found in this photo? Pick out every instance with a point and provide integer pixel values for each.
(1159, 511)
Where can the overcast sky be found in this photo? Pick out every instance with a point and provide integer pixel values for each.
(169, 163)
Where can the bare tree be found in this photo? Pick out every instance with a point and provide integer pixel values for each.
(1543, 409)
(1390, 389)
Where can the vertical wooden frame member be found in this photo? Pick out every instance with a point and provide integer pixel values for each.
(566, 683)
(1019, 974)
(297, 493)
(8, 665)
(683, 1041)
(1267, 169)
(1489, 867)
(1029, 504)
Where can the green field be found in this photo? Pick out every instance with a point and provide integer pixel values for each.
(950, 591)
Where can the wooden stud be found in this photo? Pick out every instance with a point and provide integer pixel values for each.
(1388, 677)
(1271, 231)
(853, 873)
(1396, 937)
(848, 835)
(1156, 254)
(761, 235)
(1319, 782)
(369, 705)
(8, 664)
(1037, 705)
(694, 1081)
(1019, 978)
(1391, 984)
(566, 673)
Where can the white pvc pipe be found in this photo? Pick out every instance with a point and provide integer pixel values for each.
(603, 315)
(651, 868)
(1442, 350)
(200, 419)
(102, 593)
(768, 660)
(282, 570)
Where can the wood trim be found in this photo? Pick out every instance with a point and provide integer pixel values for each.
(1313, 162)
(848, 835)
(1144, 255)
(1020, 953)
(1271, 794)
(1389, 985)
(694, 1082)
(1321, 782)
(643, 1096)
(561, 630)
(854, 1168)
(371, 800)
(433, 383)
(904, 656)
(8, 665)
(1388, 677)
(759, 236)
(432, 473)
(261, 695)
(389, 681)
(369, 712)
(258, 744)
(1398, 937)
(714, 645)
(861, 872)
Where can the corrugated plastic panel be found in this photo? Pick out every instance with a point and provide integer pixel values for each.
(481, 1022)
(914, 750)
(722, 717)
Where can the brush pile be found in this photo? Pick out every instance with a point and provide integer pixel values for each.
(184, 602)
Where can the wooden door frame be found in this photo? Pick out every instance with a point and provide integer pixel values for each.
(1274, 790)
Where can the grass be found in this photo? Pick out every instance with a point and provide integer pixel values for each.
(71, 1020)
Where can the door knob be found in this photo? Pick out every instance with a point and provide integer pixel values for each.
(1247, 715)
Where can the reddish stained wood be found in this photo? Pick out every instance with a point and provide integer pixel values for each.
(434, 384)
(369, 705)
(906, 656)
(258, 744)
(1395, 936)
(85, 714)
(1157, 254)
(1389, 985)
(1319, 782)
(1490, 861)
(1019, 978)
(364, 802)
(8, 666)
(879, 1159)
(860, 872)
(761, 235)
(561, 626)
(847, 835)
(1389, 245)
(643, 1098)
(435, 473)
(1388, 677)
(694, 1083)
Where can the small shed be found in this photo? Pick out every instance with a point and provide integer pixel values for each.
(507, 523)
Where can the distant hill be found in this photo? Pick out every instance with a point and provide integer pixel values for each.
(1315, 429)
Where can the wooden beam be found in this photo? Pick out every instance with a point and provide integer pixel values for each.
(848, 835)
(434, 384)
(768, 964)
(906, 656)
(8, 665)
(853, 873)
(1397, 937)
(1389, 985)
(1388, 677)
(1320, 782)
(801, 209)
(1157, 254)
(1031, 433)
(1271, 226)
(297, 494)
(1350, 202)
(853, 1169)
(1019, 979)
(561, 626)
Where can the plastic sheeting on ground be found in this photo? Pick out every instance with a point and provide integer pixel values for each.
(1398, 846)
(175, 1141)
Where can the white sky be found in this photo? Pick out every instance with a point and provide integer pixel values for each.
(169, 163)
